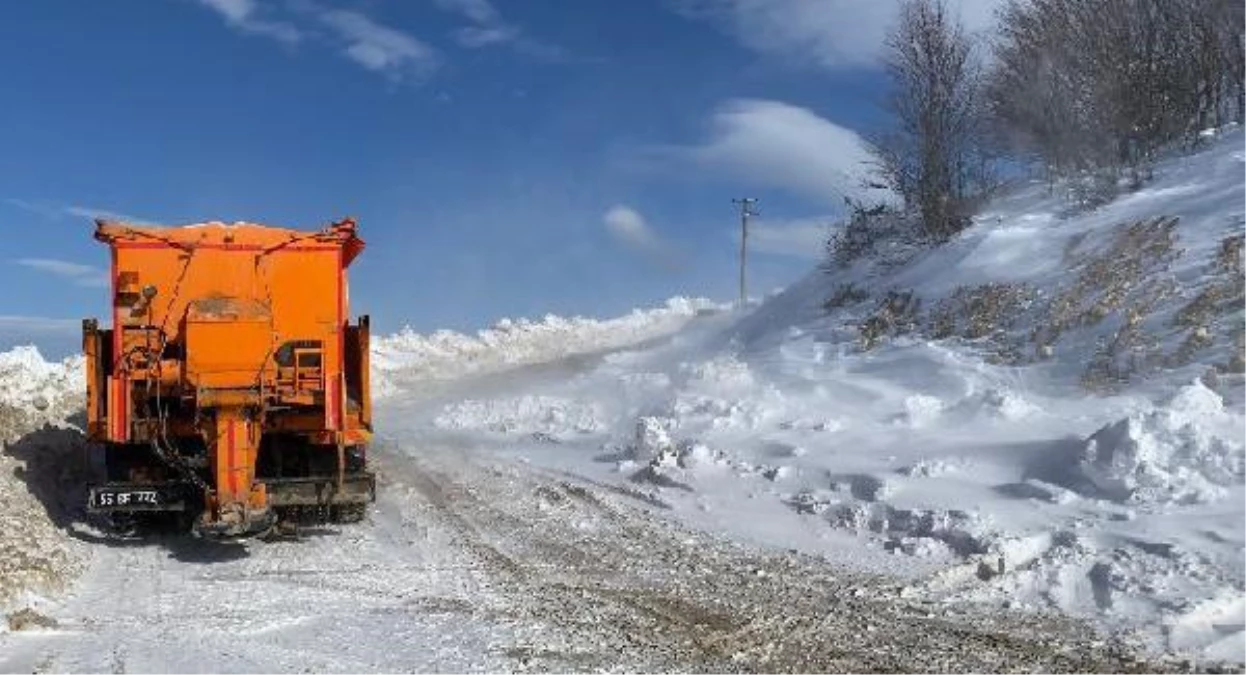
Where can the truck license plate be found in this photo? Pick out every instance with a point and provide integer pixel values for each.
(104, 498)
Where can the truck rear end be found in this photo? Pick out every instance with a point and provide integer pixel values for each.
(231, 387)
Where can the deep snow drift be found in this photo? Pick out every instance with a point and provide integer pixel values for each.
(1045, 414)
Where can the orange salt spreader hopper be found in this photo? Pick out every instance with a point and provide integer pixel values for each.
(232, 388)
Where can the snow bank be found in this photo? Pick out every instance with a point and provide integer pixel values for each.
(35, 554)
(1187, 451)
(39, 390)
(408, 357)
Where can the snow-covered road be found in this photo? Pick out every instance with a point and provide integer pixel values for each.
(519, 551)
(472, 563)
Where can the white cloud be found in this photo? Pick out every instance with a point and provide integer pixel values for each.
(397, 54)
(475, 37)
(45, 210)
(381, 48)
(10, 324)
(825, 33)
(58, 335)
(103, 214)
(242, 15)
(490, 29)
(629, 228)
(77, 273)
(86, 213)
(774, 144)
(803, 238)
(477, 11)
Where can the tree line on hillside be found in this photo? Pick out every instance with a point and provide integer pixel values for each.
(1088, 91)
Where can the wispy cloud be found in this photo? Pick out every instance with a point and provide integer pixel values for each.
(476, 11)
(57, 211)
(104, 214)
(381, 48)
(244, 16)
(629, 228)
(801, 238)
(774, 144)
(489, 29)
(475, 37)
(397, 54)
(53, 337)
(823, 33)
(12, 323)
(58, 335)
(76, 273)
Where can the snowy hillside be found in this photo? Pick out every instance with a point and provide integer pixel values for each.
(1045, 414)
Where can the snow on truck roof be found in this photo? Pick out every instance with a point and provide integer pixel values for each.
(243, 235)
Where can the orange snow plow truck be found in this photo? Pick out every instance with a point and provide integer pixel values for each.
(231, 391)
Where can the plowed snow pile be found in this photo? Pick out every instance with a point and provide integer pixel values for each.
(409, 358)
(35, 555)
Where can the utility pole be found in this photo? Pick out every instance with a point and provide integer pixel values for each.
(746, 211)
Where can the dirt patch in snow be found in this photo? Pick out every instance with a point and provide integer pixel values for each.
(36, 554)
(29, 619)
(604, 584)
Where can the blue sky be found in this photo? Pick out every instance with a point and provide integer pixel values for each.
(504, 158)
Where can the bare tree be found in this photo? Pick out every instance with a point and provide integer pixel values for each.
(935, 156)
(1102, 85)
